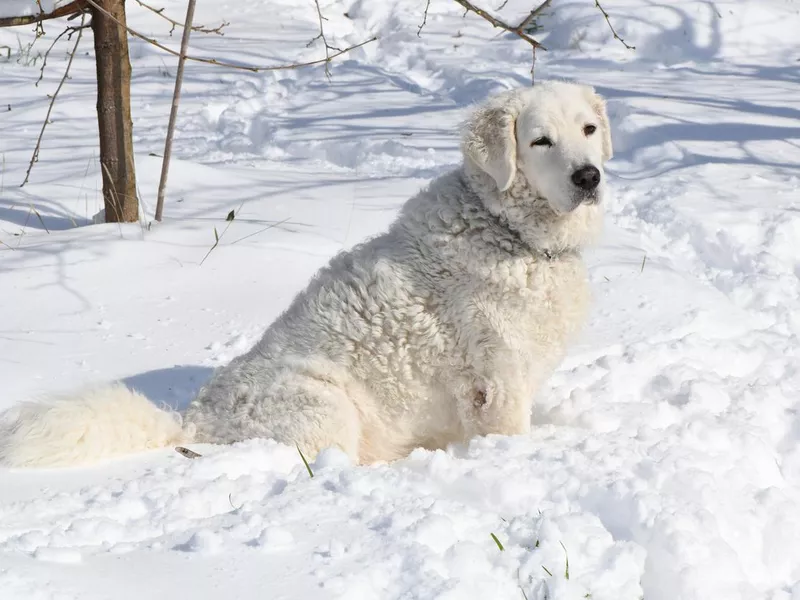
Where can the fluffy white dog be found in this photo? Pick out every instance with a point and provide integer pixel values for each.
(438, 330)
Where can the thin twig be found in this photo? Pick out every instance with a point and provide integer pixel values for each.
(268, 227)
(218, 237)
(39, 23)
(425, 18)
(199, 28)
(219, 63)
(69, 32)
(173, 113)
(46, 54)
(35, 156)
(186, 452)
(611, 27)
(469, 7)
(24, 228)
(534, 13)
(38, 216)
(321, 35)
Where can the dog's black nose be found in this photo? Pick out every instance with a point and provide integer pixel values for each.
(587, 178)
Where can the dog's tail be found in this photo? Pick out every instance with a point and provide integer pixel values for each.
(90, 426)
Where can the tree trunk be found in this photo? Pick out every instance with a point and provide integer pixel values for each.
(114, 112)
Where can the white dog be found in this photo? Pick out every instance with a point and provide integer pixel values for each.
(438, 330)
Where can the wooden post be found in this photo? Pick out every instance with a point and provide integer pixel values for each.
(114, 112)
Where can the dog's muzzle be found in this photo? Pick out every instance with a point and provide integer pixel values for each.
(587, 178)
(587, 181)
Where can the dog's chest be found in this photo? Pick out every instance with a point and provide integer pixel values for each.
(532, 301)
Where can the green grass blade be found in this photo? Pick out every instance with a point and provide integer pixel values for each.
(496, 541)
(305, 462)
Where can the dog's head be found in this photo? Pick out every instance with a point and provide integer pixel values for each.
(555, 135)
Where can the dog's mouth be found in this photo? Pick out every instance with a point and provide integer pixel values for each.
(579, 200)
(592, 197)
(572, 201)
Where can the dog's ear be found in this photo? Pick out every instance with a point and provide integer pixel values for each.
(599, 106)
(489, 138)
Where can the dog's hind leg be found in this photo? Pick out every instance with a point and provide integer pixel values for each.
(293, 408)
(314, 415)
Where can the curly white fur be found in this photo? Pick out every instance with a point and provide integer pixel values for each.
(440, 329)
(99, 422)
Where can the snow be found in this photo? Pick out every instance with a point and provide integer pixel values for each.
(665, 458)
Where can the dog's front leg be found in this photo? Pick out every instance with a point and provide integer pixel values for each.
(497, 403)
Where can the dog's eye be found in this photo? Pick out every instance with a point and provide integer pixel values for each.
(542, 141)
(589, 130)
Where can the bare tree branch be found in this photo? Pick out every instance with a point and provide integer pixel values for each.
(69, 32)
(519, 30)
(526, 23)
(213, 61)
(39, 26)
(611, 27)
(469, 7)
(534, 13)
(35, 156)
(425, 18)
(199, 28)
(321, 35)
(69, 8)
(47, 53)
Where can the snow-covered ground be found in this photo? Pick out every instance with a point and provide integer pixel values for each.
(665, 458)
